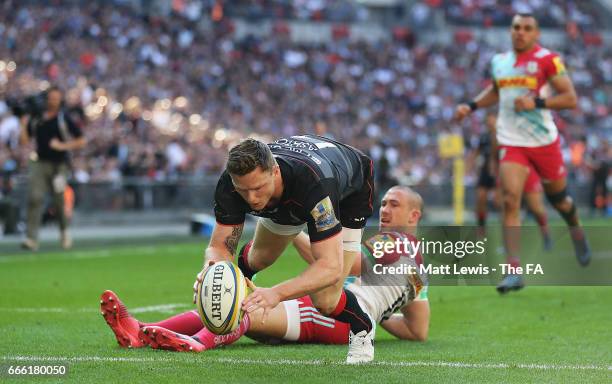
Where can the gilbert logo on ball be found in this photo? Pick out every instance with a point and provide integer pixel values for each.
(220, 297)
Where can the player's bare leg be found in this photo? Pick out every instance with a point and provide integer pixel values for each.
(482, 197)
(263, 251)
(274, 328)
(512, 178)
(535, 204)
(342, 305)
(556, 192)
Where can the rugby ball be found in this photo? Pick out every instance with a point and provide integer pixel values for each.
(219, 298)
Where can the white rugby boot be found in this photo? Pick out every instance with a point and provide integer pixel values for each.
(361, 346)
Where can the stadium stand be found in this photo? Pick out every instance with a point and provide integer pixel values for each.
(193, 90)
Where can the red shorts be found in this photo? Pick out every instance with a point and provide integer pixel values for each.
(547, 160)
(311, 325)
(532, 184)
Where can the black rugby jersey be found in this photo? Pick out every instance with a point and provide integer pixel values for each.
(318, 173)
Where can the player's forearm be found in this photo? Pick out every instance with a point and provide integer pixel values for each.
(400, 328)
(75, 144)
(565, 100)
(223, 243)
(487, 98)
(319, 275)
(216, 254)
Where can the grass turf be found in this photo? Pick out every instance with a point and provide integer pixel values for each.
(49, 308)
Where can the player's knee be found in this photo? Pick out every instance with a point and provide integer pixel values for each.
(560, 200)
(257, 264)
(511, 200)
(420, 334)
(325, 304)
(326, 310)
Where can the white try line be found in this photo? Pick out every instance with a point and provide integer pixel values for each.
(164, 308)
(239, 361)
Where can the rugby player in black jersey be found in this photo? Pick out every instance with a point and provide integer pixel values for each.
(295, 183)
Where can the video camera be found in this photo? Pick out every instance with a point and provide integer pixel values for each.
(32, 105)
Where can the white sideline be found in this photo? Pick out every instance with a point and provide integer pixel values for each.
(165, 308)
(226, 360)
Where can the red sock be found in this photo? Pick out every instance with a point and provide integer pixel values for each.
(186, 323)
(481, 218)
(514, 261)
(210, 340)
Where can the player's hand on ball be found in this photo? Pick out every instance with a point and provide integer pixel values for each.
(265, 298)
(462, 111)
(198, 281)
(250, 284)
(524, 103)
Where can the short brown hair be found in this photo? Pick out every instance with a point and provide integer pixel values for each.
(247, 156)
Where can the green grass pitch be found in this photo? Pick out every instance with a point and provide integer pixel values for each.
(49, 313)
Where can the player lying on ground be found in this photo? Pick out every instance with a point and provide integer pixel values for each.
(522, 81)
(488, 181)
(297, 320)
(293, 184)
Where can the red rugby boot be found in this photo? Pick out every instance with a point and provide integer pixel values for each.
(123, 325)
(162, 338)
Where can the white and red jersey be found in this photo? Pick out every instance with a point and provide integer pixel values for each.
(381, 295)
(380, 300)
(529, 74)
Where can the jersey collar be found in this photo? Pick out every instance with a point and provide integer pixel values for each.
(524, 56)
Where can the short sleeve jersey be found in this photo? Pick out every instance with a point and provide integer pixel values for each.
(317, 173)
(529, 74)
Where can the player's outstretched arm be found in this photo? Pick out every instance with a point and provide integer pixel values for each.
(222, 246)
(223, 243)
(326, 270)
(411, 324)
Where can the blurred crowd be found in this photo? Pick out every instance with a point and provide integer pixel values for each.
(550, 13)
(312, 10)
(160, 97)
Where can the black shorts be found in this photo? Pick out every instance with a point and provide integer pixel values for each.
(486, 179)
(356, 208)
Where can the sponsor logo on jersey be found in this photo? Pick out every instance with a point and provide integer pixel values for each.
(532, 67)
(518, 82)
(323, 215)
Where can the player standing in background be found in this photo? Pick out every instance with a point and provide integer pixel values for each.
(488, 181)
(527, 136)
(297, 320)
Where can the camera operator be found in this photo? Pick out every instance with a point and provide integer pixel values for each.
(55, 135)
